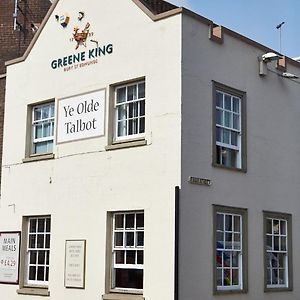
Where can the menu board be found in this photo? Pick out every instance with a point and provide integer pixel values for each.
(75, 264)
(9, 257)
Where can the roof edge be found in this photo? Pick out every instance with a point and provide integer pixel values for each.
(238, 36)
(36, 36)
(160, 16)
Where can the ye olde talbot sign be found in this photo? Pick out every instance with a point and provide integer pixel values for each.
(80, 117)
(9, 257)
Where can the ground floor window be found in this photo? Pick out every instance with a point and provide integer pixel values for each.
(229, 249)
(128, 251)
(278, 273)
(37, 251)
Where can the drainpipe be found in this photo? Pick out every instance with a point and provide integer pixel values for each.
(176, 269)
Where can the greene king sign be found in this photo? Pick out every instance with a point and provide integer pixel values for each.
(81, 117)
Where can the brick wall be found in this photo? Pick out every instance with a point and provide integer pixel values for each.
(13, 43)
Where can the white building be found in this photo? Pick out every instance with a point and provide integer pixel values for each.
(117, 105)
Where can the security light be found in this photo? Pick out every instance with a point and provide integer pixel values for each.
(289, 75)
(270, 56)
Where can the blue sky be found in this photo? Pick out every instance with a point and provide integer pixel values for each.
(256, 19)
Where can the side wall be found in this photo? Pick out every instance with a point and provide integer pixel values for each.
(272, 179)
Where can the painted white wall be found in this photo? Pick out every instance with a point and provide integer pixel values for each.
(87, 181)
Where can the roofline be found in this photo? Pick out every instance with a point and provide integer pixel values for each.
(36, 36)
(160, 16)
(155, 18)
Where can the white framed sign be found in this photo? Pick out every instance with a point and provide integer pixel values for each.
(80, 117)
(9, 257)
(75, 264)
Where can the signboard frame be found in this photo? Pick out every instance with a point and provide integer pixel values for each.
(82, 258)
(18, 251)
(73, 97)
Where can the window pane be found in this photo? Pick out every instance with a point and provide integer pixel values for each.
(219, 256)
(219, 99)
(219, 277)
(140, 257)
(121, 95)
(140, 239)
(227, 119)
(269, 226)
(40, 273)
(32, 227)
(235, 277)
(219, 117)
(142, 125)
(131, 93)
(41, 147)
(119, 221)
(219, 134)
(118, 239)
(220, 240)
(48, 224)
(275, 226)
(139, 221)
(130, 257)
(276, 243)
(226, 136)
(133, 126)
(120, 257)
(227, 278)
(235, 259)
(41, 260)
(47, 274)
(31, 241)
(228, 240)
(129, 221)
(283, 244)
(32, 273)
(236, 122)
(129, 278)
(40, 241)
(227, 259)
(227, 101)
(129, 239)
(45, 112)
(122, 128)
(141, 89)
(37, 114)
(220, 222)
(283, 227)
(122, 112)
(237, 223)
(133, 109)
(236, 104)
(33, 256)
(142, 108)
(41, 225)
(234, 138)
(47, 245)
(228, 223)
(237, 241)
(38, 131)
(269, 242)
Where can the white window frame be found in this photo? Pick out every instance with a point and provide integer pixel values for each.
(138, 118)
(273, 254)
(38, 250)
(233, 249)
(230, 146)
(135, 247)
(49, 121)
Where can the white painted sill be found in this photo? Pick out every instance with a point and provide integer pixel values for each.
(126, 144)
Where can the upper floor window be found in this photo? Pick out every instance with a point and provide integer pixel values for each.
(42, 128)
(229, 128)
(130, 111)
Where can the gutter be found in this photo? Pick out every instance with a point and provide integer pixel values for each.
(176, 264)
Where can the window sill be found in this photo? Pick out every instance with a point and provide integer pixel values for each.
(38, 157)
(121, 296)
(241, 170)
(277, 289)
(34, 291)
(126, 144)
(232, 291)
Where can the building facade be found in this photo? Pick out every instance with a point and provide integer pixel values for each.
(143, 159)
(19, 21)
